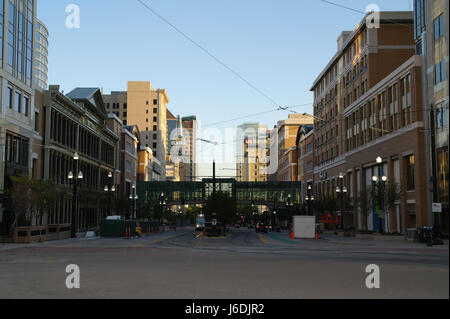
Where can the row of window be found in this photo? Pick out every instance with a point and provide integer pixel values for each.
(18, 101)
(381, 115)
(16, 150)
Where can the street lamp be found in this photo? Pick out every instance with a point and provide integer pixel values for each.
(341, 191)
(379, 184)
(163, 203)
(75, 180)
(133, 198)
(109, 189)
(309, 199)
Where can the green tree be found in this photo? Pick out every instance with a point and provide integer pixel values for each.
(31, 199)
(225, 208)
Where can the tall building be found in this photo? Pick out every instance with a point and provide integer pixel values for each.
(287, 149)
(17, 21)
(146, 108)
(431, 20)
(172, 167)
(368, 108)
(364, 57)
(252, 152)
(41, 55)
(305, 159)
(188, 168)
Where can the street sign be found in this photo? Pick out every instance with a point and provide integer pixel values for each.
(437, 208)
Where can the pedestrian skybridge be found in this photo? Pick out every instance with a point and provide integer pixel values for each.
(191, 193)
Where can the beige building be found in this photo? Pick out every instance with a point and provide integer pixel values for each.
(253, 148)
(287, 149)
(146, 108)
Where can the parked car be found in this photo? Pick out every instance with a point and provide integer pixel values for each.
(236, 226)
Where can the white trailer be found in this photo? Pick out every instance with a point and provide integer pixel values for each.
(305, 227)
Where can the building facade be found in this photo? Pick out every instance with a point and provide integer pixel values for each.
(364, 57)
(387, 122)
(41, 55)
(146, 108)
(17, 21)
(252, 154)
(75, 124)
(287, 150)
(305, 159)
(188, 166)
(431, 22)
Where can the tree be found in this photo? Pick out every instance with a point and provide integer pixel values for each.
(225, 208)
(365, 202)
(31, 199)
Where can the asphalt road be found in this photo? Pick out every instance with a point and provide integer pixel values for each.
(244, 265)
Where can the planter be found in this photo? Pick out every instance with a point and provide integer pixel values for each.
(28, 235)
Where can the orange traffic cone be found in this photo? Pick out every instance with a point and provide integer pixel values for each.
(292, 235)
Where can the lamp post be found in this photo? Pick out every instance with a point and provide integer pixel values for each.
(75, 179)
(379, 184)
(133, 198)
(309, 199)
(163, 203)
(341, 191)
(109, 189)
(289, 204)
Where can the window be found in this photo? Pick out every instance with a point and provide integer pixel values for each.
(124, 114)
(36, 122)
(125, 106)
(155, 136)
(410, 161)
(26, 105)
(155, 102)
(412, 209)
(155, 110)
(440, 72)
(155, 119)
(155, 145)
(10, 97)
(155, 128)
(439, 27)
(17, 102)
(11, 34)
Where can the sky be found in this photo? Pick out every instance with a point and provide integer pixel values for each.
(279, 47)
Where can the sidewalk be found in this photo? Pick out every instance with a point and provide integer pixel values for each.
(381, 241)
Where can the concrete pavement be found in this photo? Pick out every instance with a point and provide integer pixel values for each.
(241, 265)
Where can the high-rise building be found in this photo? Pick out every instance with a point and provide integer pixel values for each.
(17, 112)
(188, 166)
(252, 154)
(431, 19)
(364, 57)
(41, 55)
(369, 127)
(146, 108)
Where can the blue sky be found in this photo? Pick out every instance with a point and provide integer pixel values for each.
(278, 46)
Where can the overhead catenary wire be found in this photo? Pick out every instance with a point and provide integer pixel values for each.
(207, 52)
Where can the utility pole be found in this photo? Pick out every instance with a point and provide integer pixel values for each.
(214, 214)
